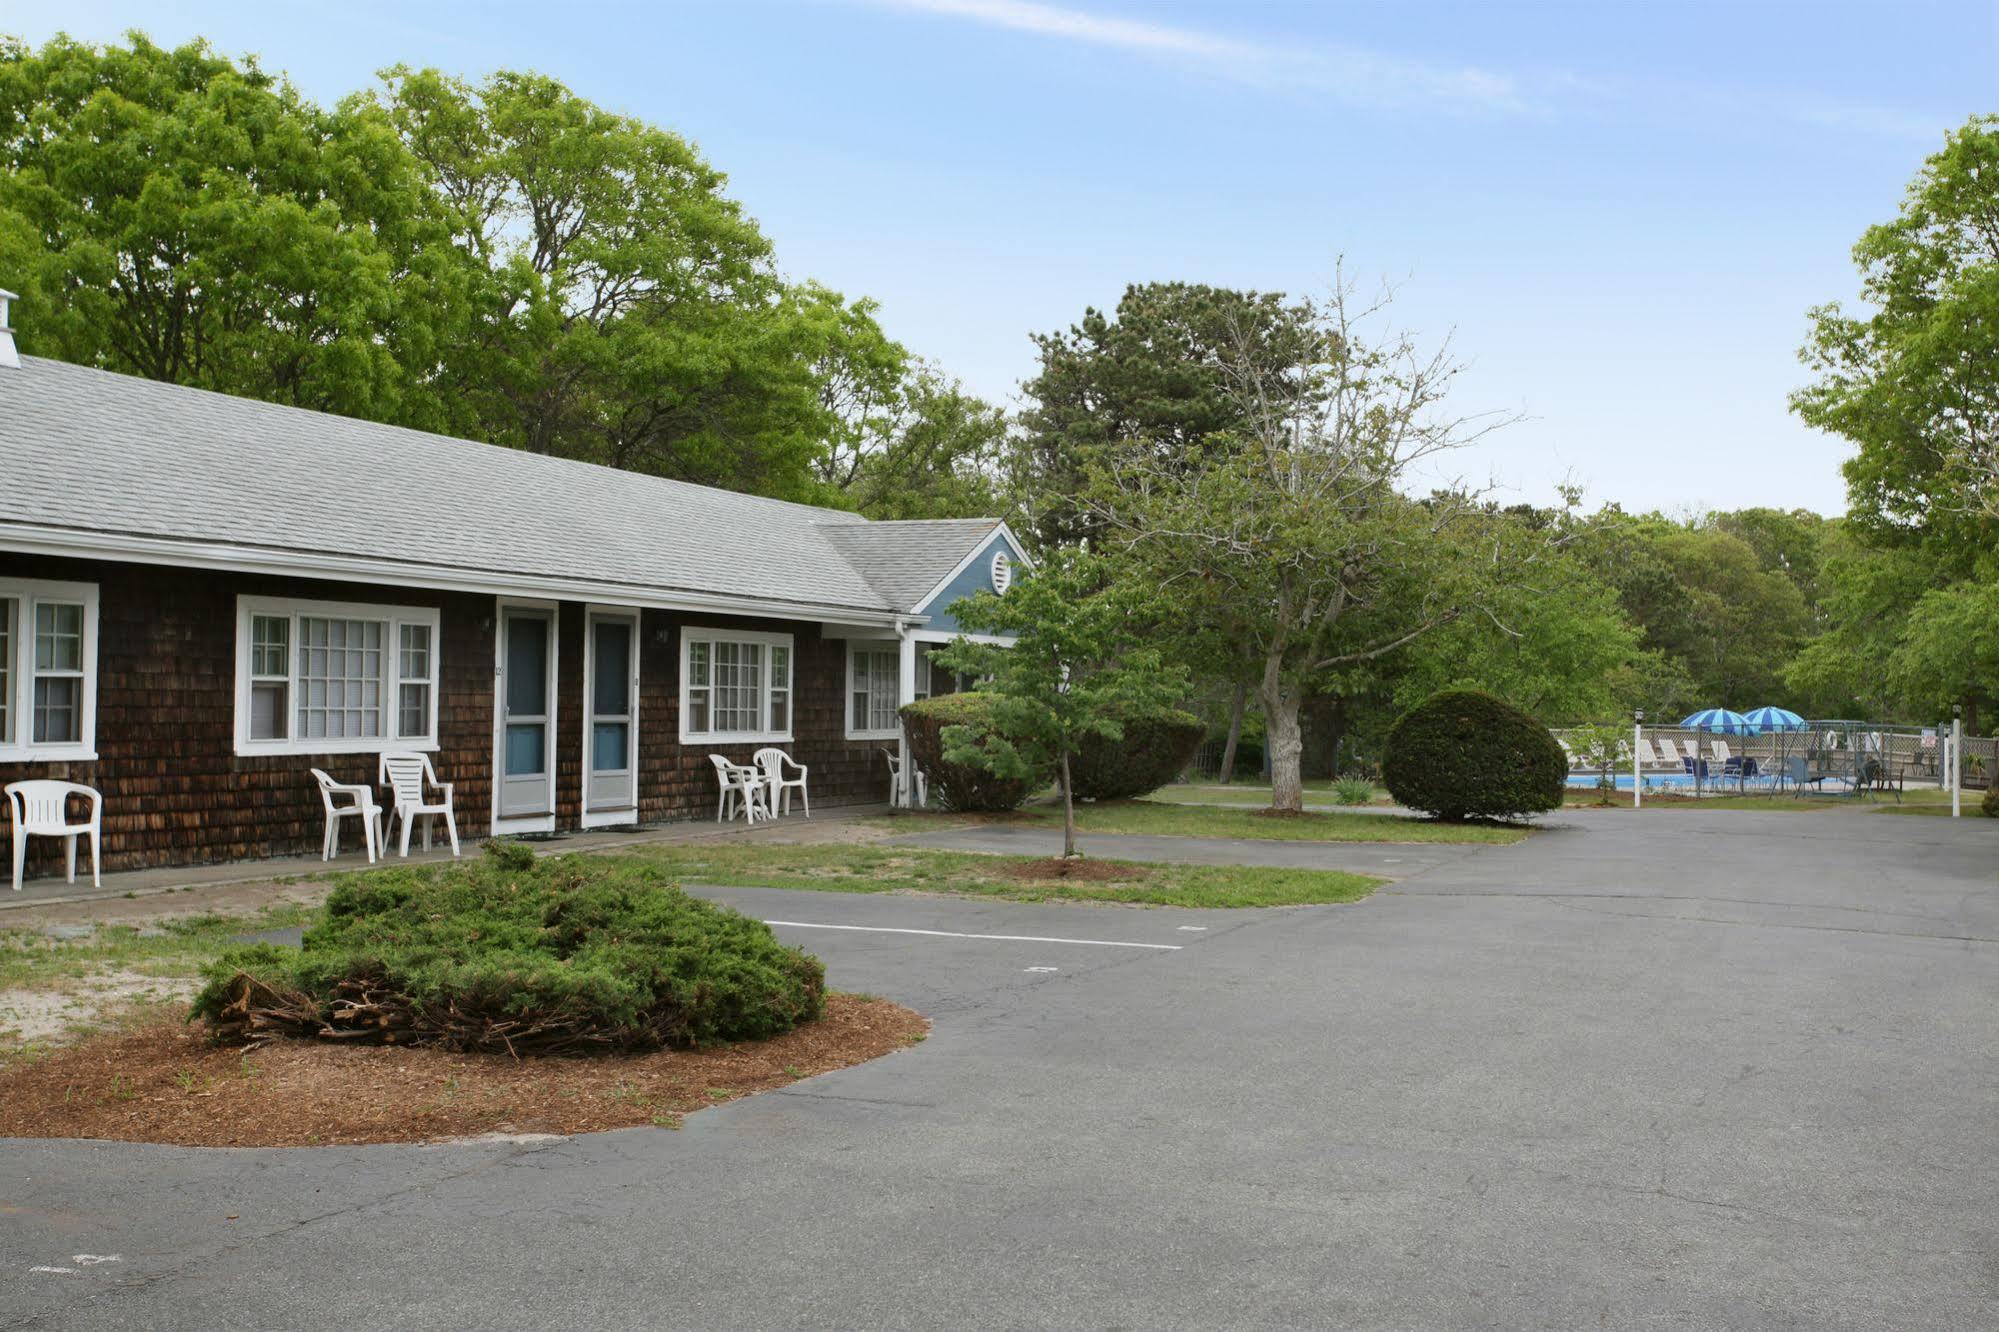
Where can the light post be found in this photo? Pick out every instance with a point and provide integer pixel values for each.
(1956, 759)
(1637, 764)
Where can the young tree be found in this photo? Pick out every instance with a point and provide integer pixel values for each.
(1297, 523)
(1079, 661)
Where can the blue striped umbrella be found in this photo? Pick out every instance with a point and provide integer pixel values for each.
(1774, 719)
(1719, 719)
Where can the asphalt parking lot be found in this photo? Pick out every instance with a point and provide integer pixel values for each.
(1683, 1069)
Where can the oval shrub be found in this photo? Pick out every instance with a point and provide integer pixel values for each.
(1153, 751)
(1464, 754)
(519, 955)
(961, 786)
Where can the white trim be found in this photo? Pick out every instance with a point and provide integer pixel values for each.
(538, 823)
(26, 593)
(952, 636)
(623, 815)
(706, 633)
(1019, 557)
(856, 646)
(33, 539)
(392, 619)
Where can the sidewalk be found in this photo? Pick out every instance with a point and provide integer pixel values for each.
(53, 891)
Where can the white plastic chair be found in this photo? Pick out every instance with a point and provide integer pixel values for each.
(777, 787)
(41, 809)
(363, 808)
(899, 789)
(407, 776)
(737, 781)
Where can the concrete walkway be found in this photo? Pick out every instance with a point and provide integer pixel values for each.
(53, 891)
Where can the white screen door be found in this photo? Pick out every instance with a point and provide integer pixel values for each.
(525, 703)
(611, 697)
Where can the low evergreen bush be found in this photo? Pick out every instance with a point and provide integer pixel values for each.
(1989, 806)
(517, 954)
(962, 786)
(1464, 754)
(1152, 752)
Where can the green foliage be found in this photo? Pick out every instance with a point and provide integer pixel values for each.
(958, 783)
(1154, 376)
(176, 215)
(1078, 663)
(1989, 804)
(1353, 791)
(570, 952)
(1153, 749)
(1465, 754)
(917, 447)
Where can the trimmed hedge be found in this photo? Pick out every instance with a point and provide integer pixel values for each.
(960, 786)
(1153, 751)
(522, 955)
(1464, 754)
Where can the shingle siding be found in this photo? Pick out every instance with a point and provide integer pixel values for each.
(176, 793)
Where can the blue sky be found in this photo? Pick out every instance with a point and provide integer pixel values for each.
(1621, 212)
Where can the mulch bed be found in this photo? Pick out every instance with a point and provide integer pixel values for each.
(167, 1083)
(1079, 870)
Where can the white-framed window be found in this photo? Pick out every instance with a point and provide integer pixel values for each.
(735, 686)
(873, 676)
(48, 670)
(333, 677)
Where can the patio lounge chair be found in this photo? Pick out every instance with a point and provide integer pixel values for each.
(41, 809)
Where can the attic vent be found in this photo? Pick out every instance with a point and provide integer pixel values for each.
(1002, 572)
(9, 358)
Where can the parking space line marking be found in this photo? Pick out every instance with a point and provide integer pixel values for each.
(954, 934)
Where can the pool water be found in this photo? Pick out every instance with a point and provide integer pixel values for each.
(1653, 780)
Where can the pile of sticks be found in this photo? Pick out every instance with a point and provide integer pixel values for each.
(365, 1010)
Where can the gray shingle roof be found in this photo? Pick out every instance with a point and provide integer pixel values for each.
(98, 452)
(905, 560)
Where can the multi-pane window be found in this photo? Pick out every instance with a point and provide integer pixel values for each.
(58, 673)
(413, 672)
(872, 678)
(320, 677)
(735, 686)
(48, 665)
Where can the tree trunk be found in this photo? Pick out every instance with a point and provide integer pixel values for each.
(1235, 730)
(1068, 813)
(1280, 720)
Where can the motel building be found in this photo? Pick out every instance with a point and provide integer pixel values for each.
(203, 598)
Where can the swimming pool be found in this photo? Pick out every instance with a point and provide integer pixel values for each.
(1654, 781)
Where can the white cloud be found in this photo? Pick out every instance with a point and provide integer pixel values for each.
(1349, 73)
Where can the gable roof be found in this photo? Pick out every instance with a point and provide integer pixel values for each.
(109, 463)
(905, 561)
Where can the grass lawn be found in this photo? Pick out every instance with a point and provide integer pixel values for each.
(1161, 818)
(1247, 795)
(888, 869)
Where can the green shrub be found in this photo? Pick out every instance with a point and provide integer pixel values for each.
(1989, 806)
(1464, 754)
(1353, 791)
(556, 954)
(1152, 752)
(961, 786)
